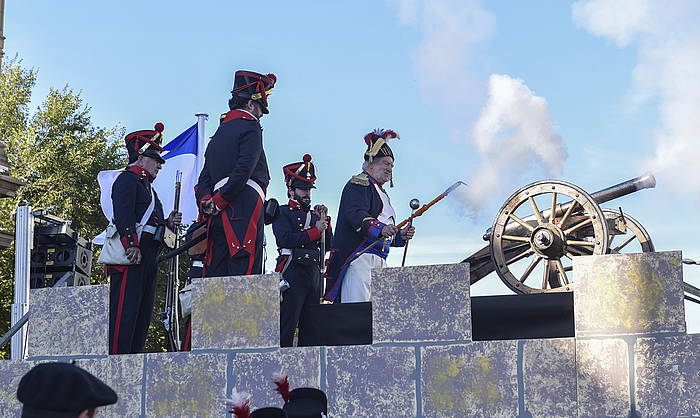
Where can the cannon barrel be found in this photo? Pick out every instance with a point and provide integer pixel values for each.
(623, 189)
(646, 181)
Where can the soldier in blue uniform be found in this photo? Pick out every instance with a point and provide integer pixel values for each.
(232, 184)
(365, 228)
(299, 231)
(132, 287)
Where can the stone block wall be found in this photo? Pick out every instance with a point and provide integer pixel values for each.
(626, 360)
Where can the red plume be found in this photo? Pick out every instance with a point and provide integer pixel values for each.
(282, 382)
(371, 137)
(307, 158)
(239, 404)
(159, 127)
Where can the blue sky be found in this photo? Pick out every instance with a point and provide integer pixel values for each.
(602, 83)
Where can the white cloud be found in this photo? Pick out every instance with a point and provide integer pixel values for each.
(513, 129)
(667, 37)
(451, 29)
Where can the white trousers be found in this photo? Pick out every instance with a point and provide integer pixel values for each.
(357, 283)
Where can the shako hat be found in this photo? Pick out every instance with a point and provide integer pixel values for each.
(253, 86)
(306, 403)
(145, 142)
(57, 389)
(378, 144)
(301, 175)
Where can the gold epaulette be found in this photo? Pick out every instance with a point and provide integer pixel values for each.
(360, 179)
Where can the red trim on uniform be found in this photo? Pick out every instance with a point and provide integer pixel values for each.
(139, 171)
(237, 114)
(117, 323)
(188, 337)
(219, 201)
(281, 264)
(294, 204)
(313, 233)
(251, 235)
(125, 241)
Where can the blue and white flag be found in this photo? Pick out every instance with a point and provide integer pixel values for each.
(180, 154)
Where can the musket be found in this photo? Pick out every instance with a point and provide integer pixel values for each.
(414, 215)
(171, 320)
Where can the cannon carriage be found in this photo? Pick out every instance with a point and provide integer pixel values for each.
(544, 225)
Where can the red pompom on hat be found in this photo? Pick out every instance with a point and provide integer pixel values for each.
(300, 175)
(159, 127)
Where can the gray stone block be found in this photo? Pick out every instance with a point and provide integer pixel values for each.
(549, 377)
(69, 321)
(602, 378)
(252, 372)
(628, 294)
(11, 372)
(236, 312)
(185, 385)
(124, 374)
(371, 381)
(478, 379)
(667, 374)
(424, 303)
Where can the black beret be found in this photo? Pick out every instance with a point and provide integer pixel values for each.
(62, 387)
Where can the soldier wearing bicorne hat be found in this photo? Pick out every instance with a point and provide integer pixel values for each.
(135, 202)
(232, 184)
(298, 231)
(365, 227)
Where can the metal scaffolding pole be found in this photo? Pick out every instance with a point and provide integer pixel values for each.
(24, 241)
(2, 30)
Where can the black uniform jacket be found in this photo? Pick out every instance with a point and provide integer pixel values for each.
(290, 232)
(131, 196)
(235, 152)
(357, 226)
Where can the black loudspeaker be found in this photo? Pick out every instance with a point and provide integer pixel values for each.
(58, 279)
(57, 257)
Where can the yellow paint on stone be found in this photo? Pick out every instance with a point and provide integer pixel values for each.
(454, 386)
(633, 302)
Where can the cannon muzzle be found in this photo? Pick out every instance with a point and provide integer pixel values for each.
(623, 189)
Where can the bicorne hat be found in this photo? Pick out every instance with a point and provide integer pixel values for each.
(146, 142)
(301, 175)
(253, 86)
(378, 144)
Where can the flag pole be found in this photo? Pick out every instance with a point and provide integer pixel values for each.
(201, 133)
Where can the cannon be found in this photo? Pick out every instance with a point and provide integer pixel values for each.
(526, 241)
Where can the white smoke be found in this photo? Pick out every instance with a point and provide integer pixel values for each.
(444, 61)
(513, 130)
(667, 37)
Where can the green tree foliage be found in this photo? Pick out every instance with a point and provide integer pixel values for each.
(58, 152)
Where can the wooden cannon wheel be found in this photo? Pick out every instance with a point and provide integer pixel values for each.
(539, 229)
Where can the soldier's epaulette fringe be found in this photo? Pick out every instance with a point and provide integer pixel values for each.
(360, 179)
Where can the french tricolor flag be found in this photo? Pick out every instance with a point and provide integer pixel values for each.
(181, 154)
